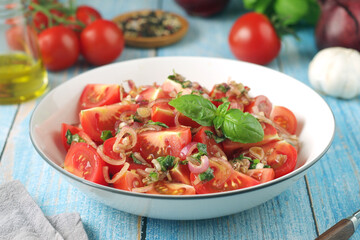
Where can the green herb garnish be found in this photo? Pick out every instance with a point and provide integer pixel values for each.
(235, 124)
(217, 139)
(105, 135)
(135, 160)
(157, 123)
(222, 88)
(202, 150)
(166, 162)
(72, 137)
(154, 176)
(207, 175)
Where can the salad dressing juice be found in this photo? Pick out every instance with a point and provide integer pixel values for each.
(21, 78)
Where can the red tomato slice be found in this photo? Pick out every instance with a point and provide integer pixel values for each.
(128, 181)
(83, 161)
(225, 179)
(153, 144)
(260, 104)
(180, 173)
(151, 94)
(270, 135)
(95, 120)
(64, 128)
(108, 151)
(202, 137)
(163, 112)
(96, 95)
(167, 188)
(262, 175)
(281, 156)
(284, 118)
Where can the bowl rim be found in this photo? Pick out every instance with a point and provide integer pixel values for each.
(276, 181)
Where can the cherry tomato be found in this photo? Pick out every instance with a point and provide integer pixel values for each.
(83, 161)
(167, 188)
(170, 141)
(281, 156)
(128, 181)
(260, 104)
(225, 179)
(284, 118)
(180, 173)
(64, 128)
(97, 119)
(101, 42)
(59, 47)
(253, 39)
(270, 135)
(96, 95)
(87, 14)
(20, 37)
(262, 175)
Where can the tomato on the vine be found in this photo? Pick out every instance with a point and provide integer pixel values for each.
(253, 39)
(87, 14)
(101, 42)
(59, 47)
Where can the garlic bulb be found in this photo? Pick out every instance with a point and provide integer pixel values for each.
(336, 72)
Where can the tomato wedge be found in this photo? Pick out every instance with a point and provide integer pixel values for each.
(64, 128)
(97, 119)
(96, 95)
(151, 94)
(281, 156)
(262, 175)
(83, 161)
(284, 118)
(225, 179)
(128, 181)
(270, 135)
(202, 136)
(260, 104)
(167, 188)
(153, 144)
(180, 173)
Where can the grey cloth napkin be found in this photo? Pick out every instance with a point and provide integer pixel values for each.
(21, 218)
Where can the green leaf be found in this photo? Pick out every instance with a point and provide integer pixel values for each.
(217, 139)
(166, 162)
(260, 6)
(242, 127)
(207, 175)
(218, 121)
(291, 11)
(313, 13)
(157, 123)
(202, 151)
(135, 160)
(154, 176)
(105, 135)
(72, 137)
(196, 107)
(222, 109)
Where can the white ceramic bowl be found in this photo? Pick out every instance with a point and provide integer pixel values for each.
(316, 126)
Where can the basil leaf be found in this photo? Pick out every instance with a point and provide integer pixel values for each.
(157, 123)
(166, 162)
(242, 127)
(105, 135)
(202, 151)
(218, 121)
(217, 139)
(207, 175)
(222, 109)
(72, 137)
(195, 107)
(154, 176)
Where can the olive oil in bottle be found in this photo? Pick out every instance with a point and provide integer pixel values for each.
(21, 78)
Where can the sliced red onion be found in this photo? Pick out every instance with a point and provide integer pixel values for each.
(187, 150)
(204, 165)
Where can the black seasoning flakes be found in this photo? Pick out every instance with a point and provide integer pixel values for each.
(150, 24)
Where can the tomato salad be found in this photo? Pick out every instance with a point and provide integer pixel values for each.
(178, 138)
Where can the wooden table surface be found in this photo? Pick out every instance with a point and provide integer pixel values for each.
(328, 192)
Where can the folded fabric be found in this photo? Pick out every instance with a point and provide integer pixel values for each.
(21, 218)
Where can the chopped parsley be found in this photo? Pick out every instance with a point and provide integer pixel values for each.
(72, 137)
(223, 88)
(105, 135)
(157, 123)
(207, 175)
(181, 80)
(217, 139)
(166, 162)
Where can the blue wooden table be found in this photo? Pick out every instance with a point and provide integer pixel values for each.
(328, 192)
